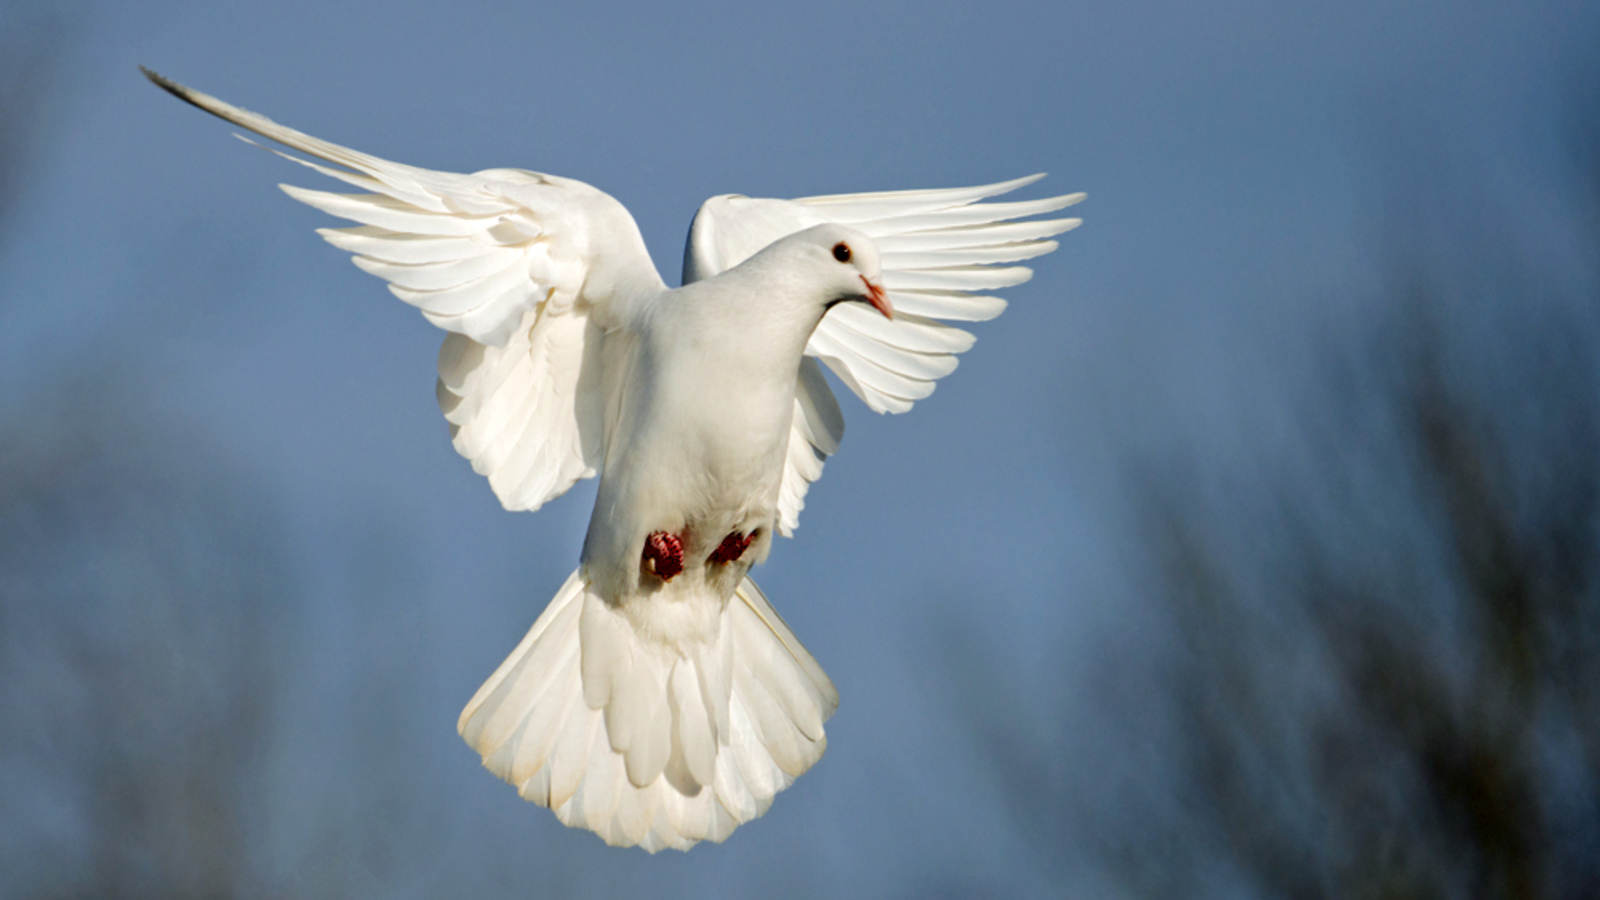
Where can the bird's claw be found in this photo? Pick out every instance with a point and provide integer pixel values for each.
(663, 555)
(732, 547)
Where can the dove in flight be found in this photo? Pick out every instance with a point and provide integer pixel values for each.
(659, 700)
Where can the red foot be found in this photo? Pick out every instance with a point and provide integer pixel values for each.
(663, 555)
(732, 547)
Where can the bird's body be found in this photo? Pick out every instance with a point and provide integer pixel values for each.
(706, 711)
(659, 700)
(700, 432)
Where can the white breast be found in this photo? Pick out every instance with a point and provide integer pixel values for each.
(701, 433)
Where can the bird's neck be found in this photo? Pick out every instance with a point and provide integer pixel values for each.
(750, 320)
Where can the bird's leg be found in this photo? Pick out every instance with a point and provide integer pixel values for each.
(663, 555)
(733, 547)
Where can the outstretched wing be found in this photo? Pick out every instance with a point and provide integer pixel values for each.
(526, 271)
(941, 249)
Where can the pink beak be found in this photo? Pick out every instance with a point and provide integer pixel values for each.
(880, 300)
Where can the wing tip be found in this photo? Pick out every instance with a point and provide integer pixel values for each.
(161, 81)
(182, 92)
(1072, 199)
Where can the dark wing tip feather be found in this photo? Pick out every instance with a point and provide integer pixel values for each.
(194, 98)
(170, 86)
(243, 118)
(228, 113)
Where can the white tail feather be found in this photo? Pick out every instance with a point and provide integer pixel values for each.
(646, 743)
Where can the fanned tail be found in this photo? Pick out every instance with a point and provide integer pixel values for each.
(646, 743)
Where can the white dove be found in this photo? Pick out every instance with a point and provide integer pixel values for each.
(659, 700)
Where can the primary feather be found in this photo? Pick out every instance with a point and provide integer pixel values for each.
(664, 705)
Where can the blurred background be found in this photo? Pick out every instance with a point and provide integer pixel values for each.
(1253, 552)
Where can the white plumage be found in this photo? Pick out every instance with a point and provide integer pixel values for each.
(660, 700)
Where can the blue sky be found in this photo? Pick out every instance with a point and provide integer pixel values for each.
(1234, 155)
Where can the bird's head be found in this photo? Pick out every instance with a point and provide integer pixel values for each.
(845, 264)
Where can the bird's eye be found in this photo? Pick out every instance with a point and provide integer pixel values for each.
(841, 252)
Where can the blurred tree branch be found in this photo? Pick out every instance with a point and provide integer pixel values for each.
(147, 623)
(1416, 718)
(141, 592)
